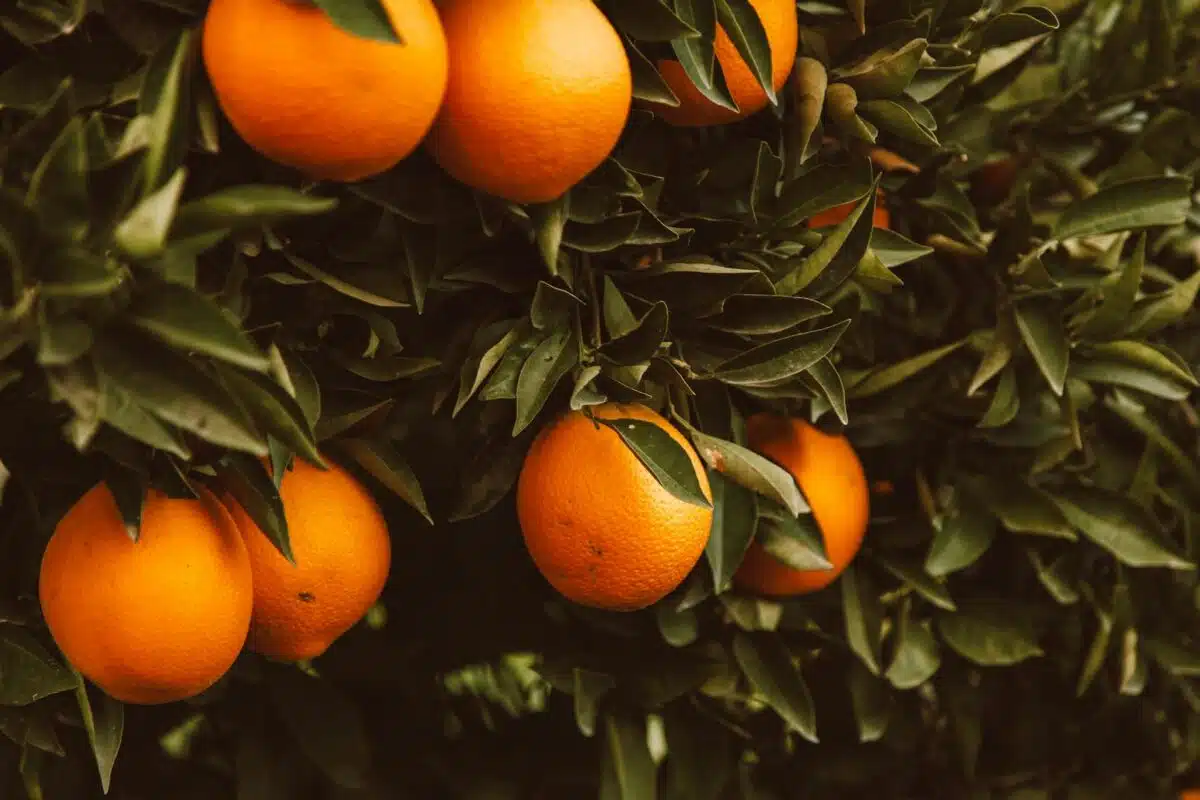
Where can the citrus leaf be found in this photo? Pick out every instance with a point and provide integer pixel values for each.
(251, 485)
(916, 655)
(540, 374)
(883, 378)
(741, 24)
(1040, 323)
(27, 671)
(588, 687)
(1118, 525)
(184, 318)
(628, 771)
(795, 541)
(363, 18)
(104, 722)
(664, 457)
(751, 470)
(142, 234)
(1140, 203)
(244, 207)
(274, 411)
(389, 468)
(735, 520)
(864, 618)
(768, 666)
(989, 636)
(782, 358)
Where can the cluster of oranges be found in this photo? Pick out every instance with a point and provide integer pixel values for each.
(517, 98)
(605, 533)
(164, 617)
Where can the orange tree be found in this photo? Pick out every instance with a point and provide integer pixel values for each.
(954, 241)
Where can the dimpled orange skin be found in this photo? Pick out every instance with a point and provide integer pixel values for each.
(539, 93)
(154, 621)
(598, 524)
(832, 479)
(832, 216)
(343, 554)
(783, 35)
(310, 95)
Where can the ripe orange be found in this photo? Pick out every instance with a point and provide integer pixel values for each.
(598, 524)
(829, 473)
(832, 216)
(307, 94)
(343, 553)
(783, 34)
(539, 93)
(152, 621)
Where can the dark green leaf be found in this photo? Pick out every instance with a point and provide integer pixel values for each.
(769, 667)
(27, 672)
(548, 364)
(751, 470)
(1130, 205)
(864, 618)
(326, 725)
(662, 455)
(782, 358)
(364, 18)
(388, 467)
(251, 485)
(104, 722)
(735, 518)
(1118, 525)
(628, 772)
(188, 320)
(990, 636)
(1041, 326)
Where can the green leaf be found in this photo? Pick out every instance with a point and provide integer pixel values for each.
(702, 758)
(177, 391)
(1040, 323)
(780, 359)
(666, 460)
(863, 616)
(1107, 320)
(765, 314)
(751, 470)
(678, 628)
(916, 656)
(795, 541)
(166, 93)
(540, 374)
(388, 467)
(142, 234)
(1119, 525)
(1156, 312)
(1005, 403)
(104, 722)
(326, 725)
(1097, 652)
(588, 688)
(826, 376)
(273, 410)
(244, 207)
(364, 18)
(883, 378)
(871, 701)
(696, 53)
(768, 666)
(735, 520)
(628, 771)
(1022, 508)
(641, 342)
(1130, 205)
(834, 260)
(962, 535)
(989, 635)
(920, 581)
(741, 24)
(488, 347)
(548, 221)
(251, 485)
(186, 319)
(885, 73)
(27, 671)
(59, 186)
(652, 21)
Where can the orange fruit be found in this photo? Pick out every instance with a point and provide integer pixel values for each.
(828, 472)
(305, 93)
(832, 216)
(343, 553)
(783, 35)
(539, 93)
(596, 521)
(152, 621)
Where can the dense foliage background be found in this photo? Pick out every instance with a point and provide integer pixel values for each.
(1015, 362)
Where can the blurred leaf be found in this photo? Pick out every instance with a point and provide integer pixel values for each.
(864, 618)
(1118, 300)
(628, 772)
(588, 688)
(1118, 525)
(142, 234)
(871, 702)
(988, 635)
(769, 668)
(1130, 205)
(916, 655)
(326, 726)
